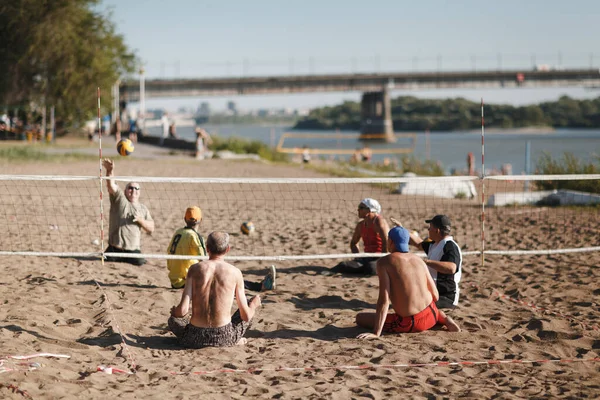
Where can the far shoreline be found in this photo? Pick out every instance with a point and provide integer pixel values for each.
(528, 130)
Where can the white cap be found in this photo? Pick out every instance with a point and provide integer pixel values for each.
(372, 204)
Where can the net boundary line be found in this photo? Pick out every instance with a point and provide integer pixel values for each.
(99, 255)
(150, 179)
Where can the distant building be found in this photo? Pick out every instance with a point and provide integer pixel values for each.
(204, 109)
(232, 107)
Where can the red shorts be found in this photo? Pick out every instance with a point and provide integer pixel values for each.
(420, 322)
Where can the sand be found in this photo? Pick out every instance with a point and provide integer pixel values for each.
(524, 308)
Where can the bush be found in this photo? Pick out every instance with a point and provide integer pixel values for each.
(425, 168)
(244, 146)
(568, 165)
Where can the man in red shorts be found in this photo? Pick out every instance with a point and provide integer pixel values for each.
(405, 282)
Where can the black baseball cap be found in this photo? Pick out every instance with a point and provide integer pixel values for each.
(440, 221)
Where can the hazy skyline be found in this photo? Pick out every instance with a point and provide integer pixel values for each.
(186, 38)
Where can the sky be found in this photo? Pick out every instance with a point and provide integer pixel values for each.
(199, 38)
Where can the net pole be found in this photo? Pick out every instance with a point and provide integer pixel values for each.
(482, 187)
(100, 179)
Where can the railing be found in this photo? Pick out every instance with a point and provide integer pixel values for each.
(375, 63)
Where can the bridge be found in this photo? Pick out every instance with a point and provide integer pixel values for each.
(376, 109)
(130, 90)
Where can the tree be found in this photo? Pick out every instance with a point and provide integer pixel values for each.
(57, 52)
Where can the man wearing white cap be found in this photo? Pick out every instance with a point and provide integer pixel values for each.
(373, 230)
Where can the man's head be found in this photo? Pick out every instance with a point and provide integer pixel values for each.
(399, 238)
(217, 243)
(132, 192)
(193, 216)
(439, 227)
(369, 205)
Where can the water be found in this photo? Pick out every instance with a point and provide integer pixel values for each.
(449, 148)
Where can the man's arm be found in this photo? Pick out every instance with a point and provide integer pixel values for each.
(382, 228)
(145, 224)
(247, 311)
(414, 239)
(431, 286)
(449, 261)
(183, 307)
(444, 267)
(383, 302)
(109, 165)
(355, 239)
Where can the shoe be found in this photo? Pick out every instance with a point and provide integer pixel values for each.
(269, 283)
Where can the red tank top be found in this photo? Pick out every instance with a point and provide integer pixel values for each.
(371, 239)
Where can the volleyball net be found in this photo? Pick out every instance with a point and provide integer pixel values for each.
(301, 219)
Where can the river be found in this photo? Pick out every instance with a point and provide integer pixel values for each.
(449, 148)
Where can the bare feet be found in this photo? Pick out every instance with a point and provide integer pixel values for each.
(242, 342)
(451, 325)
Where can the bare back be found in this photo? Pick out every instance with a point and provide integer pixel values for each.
(411, 288)
(213, 284)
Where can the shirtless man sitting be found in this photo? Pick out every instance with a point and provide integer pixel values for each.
(211, 285)
(405, 281)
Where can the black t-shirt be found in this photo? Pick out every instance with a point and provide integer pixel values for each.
(446, 283)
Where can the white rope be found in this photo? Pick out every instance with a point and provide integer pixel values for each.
(290, 258)
(300, 180)
(543, 177)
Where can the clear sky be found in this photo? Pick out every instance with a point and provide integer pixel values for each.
(199, 38)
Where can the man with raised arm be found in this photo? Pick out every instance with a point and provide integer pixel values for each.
(128, 217)
(211, 286)
(373, 230)
(405, 282)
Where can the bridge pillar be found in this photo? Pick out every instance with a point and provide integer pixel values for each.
(376, 116)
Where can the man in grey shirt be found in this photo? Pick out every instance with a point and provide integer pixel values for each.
(128, 217)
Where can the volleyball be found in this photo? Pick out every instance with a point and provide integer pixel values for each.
(247, 228)
(125, 147)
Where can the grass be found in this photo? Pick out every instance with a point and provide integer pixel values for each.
(30, 153)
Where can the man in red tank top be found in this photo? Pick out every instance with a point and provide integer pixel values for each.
(373, 230)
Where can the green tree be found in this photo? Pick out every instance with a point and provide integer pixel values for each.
(57, 52)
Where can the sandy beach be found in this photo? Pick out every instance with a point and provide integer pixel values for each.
(530, 322)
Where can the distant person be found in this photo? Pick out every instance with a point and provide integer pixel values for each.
(106, 125)
(366, 153)
(133, 130)
(356, 156)
(165, 128)
(471, 163)
(405, 283)
(128, 218)
(372, 229)
(305, 155)
(116, 130)
(173, 131)
(203, 139)
(211, 286)
(444, 259)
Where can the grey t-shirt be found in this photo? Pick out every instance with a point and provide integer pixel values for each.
(123, 232)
